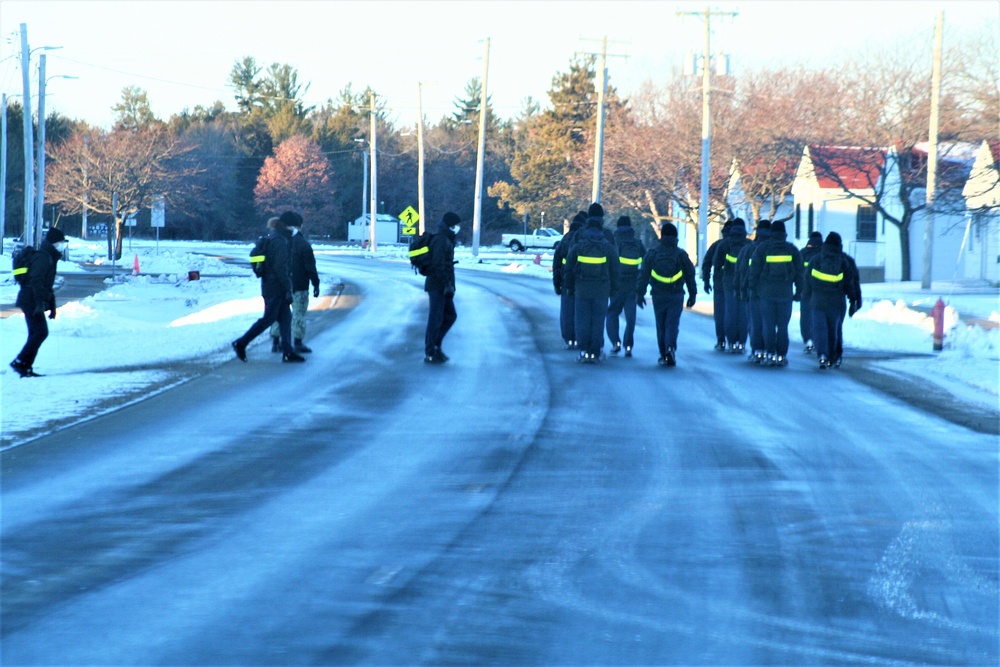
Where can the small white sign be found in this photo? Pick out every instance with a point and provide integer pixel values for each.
(130, 220)
(158, 215)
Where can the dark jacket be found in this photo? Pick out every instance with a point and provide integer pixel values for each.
(582, 279)
(560, 255)
(628, 269)
(657, 285)
(742, 278)
(825, 287)
(276, 282)
(441, 274)
(810, 250)
(36, 296)
(708, 263)
(776, 269)
(727, 255)
(303, 264)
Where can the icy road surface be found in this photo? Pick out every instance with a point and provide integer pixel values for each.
(509, 507)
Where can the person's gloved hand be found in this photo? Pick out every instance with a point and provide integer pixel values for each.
(39, 310)
(558, 289)
(315, 290)
(641, 301)
(52, 314)
(288, 298)
(449, 290)
(690, 302)
(708, 288)
(855, 307)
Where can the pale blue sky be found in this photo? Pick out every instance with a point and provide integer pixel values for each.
(181, 51)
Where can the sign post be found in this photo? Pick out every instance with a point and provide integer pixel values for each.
(157, 217)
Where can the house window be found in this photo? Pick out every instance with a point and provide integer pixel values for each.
(867, 225)
(798, 221)
(811, 227)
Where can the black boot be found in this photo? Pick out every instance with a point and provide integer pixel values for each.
(300, 347)
(275, 344)
(289, 357)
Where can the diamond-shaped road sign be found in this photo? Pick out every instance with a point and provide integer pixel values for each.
(410, 218)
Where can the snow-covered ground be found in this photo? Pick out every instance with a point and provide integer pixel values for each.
(120, 342)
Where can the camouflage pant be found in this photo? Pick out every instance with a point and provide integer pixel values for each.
(300, 304)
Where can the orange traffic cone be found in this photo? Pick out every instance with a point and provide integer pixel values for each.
(135, 266)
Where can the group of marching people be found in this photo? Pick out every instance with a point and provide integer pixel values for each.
(756, 281)
(601, 275)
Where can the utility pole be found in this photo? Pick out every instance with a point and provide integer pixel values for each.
(3, 169)
(706, 127)
(932, 154)
(374, 193)
(29, 142)
(477, 211)
(420, 159)
(86, 189)
(595, 192)
(40, 160)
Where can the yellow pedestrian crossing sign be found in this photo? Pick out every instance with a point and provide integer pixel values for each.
(410, 218)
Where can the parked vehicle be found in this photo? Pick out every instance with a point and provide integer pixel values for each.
(543, 237)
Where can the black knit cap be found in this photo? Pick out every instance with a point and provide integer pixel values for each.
(291, 219)
(668, 229)
(451, 219)
(595, 211)
(815, 236)
(833, 238)
(777, 227)
(55, 235)
(763, 224)
(624, 221)
(580, 217)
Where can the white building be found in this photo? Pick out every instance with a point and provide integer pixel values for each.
(982, 200)
(386, 228)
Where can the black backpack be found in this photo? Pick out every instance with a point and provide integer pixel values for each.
(591, 259)
(666, 267)
(258, 255)
(630, 254)
(420, 253)
(779, 266)
(21, 262)
(827, 272)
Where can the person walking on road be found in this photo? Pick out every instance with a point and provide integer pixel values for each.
(832, 277)
(592, 277)
(303, 266)
(630, 253)
(776, 277)
(36, 296)
(440, 287)
(748, 296)
(810, 250)
(276, 288)
(566, 310)
(734, 239)
(719, 296)
(668, 269)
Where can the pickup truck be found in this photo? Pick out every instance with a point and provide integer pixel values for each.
(543, 237)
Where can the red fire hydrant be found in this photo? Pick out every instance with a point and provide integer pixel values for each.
(938, 314)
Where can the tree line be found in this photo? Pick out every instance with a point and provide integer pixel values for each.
(224, 172)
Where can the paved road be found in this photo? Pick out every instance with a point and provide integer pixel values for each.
(509, 507)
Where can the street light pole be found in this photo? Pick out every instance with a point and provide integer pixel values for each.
(40, 161)
(29, 142)
(599, 143)
(480, 153)
(374, 172)
(3, 168)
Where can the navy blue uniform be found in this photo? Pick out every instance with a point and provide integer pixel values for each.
(623, 301)
(667, 290)
(811, 249)
(276, 288)
(34, 298)
(440, 288)
(776, 277)
(591, 276)
(725, 264)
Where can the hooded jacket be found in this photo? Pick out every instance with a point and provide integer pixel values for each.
(559, 257)
(303, 264)
(776, 268)
(628, 269)
(277, 279)
(826, 288)
(742, 279)
(36, 295)
(441, 274)
(592, 284)
(659, 287)
(727, 255)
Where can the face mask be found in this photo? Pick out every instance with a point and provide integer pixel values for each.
(455, 229)
(61, 246)
(295, 230)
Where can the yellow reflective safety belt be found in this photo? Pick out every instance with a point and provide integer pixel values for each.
(827, 277)
(592, 260)
(671, 279)
(21, 271)
(419, 251)
(256, 259)
(778, 259)
(630, 262)
(730, 258)
(564, 260)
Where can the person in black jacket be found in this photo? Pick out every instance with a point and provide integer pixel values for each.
(37, 296)
(630, 254)
(566, 310)
(303, 266)
(668, 269)
(810, 250)
(725, 261)
(749, 297)
(831, 277)
(719, 296)
(591, 277)
(440, 287)
(276, 288)
(776, 277)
